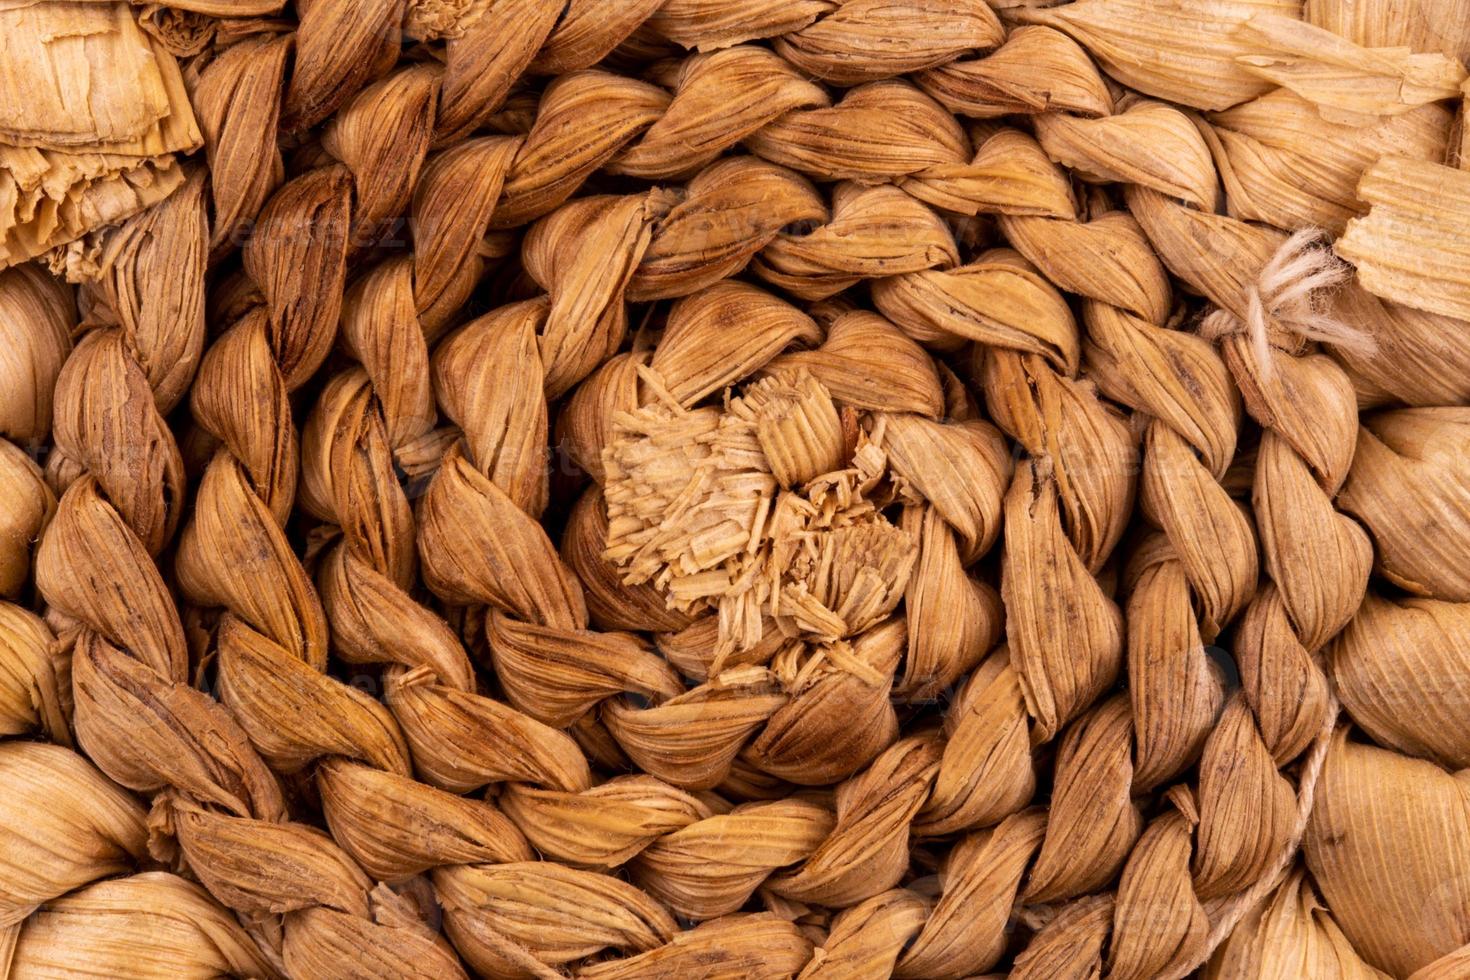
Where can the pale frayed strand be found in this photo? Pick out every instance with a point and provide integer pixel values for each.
(1292, 293)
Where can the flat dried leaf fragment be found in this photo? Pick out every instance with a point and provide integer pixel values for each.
(1430, 25)
(64, 825)
(1420, 357)
(53, 200)
(1347, 83)
(1400, 670)
(1284, 164)
(83, 150)
(60, 90)
(1408, 487)
(1187, 57)
(1387, 845)
(1411, 247)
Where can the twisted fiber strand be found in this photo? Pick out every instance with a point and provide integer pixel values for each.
(1242, 902)
(137, 713)
(99, 829)
(528, 822)
(36, 318)
(1210, 549)
(1272, 652)
(228, 642)
(427, 732)
(271, 456)
(67, 824)
(299, 341)
(277, 454)
(496, 592)
(279, 457)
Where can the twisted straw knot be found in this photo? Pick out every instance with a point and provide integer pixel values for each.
(750, 511)
(1289, 303)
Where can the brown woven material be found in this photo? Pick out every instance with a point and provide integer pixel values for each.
(734, 488)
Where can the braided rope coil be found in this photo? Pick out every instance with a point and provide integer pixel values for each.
(915, 337)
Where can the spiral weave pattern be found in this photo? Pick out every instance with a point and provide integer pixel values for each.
(737, 488)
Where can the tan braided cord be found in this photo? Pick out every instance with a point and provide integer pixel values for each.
(734, 488)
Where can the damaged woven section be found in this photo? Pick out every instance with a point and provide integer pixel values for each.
(751, 511)
(92, 111)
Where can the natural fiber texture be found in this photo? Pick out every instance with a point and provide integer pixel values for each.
(661, 488)
(78, 151)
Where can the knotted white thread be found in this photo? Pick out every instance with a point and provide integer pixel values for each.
(1292, 293)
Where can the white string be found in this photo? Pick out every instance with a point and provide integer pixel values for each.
(1292, 293)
